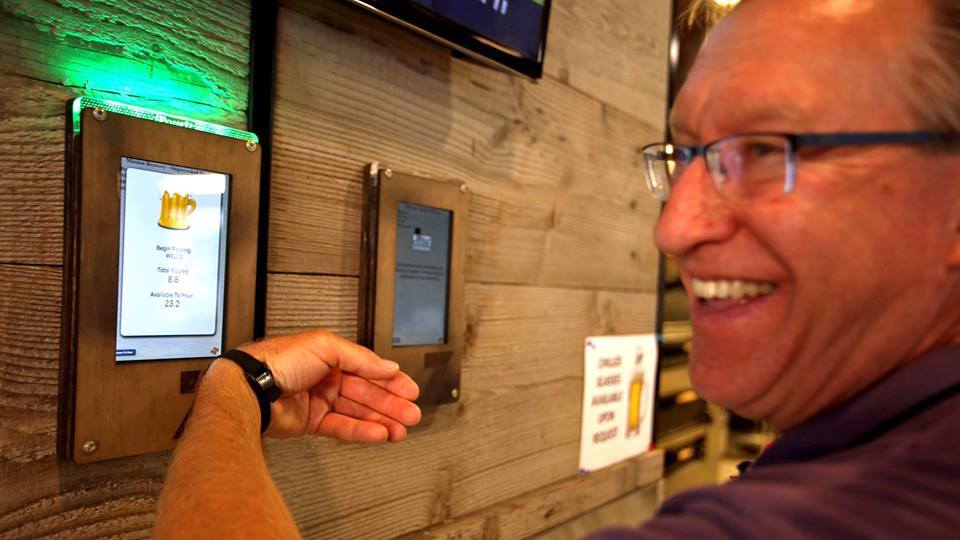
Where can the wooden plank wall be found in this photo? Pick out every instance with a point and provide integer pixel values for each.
(560, 248)
(190, 57)
(559, 245)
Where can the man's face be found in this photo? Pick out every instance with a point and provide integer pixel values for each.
(861, 257)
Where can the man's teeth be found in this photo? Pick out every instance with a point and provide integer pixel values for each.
(724, 288)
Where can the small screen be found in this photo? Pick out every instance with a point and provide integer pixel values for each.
(173, 234)
(422, 275)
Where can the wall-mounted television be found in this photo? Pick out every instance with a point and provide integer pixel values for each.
(506, 33)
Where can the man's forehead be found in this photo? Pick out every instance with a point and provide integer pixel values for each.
(755, 95)
(817, 63)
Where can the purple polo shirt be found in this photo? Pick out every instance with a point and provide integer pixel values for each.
(885, 464)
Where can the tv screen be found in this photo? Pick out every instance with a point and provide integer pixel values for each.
(508, 33)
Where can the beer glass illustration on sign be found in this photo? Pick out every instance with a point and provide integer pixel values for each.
(635, 402)
(174, 210)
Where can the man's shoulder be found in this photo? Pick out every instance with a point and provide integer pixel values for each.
(904, 482)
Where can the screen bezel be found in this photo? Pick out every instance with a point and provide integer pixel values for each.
(435, 368)
(459, 37)
(135, 407)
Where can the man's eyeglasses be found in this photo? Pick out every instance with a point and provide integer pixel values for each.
(749, 166)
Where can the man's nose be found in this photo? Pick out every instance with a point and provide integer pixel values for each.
(695, 213)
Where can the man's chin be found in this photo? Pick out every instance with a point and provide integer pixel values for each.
(728, 382)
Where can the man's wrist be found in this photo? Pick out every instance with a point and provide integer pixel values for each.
(224, 388)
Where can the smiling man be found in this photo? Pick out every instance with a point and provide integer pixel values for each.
(812, 201)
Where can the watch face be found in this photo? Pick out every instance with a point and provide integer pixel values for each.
(269, 385)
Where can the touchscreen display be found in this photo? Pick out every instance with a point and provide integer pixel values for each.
(173, 232)
(422, 275)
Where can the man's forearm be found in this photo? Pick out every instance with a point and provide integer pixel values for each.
(218, 483)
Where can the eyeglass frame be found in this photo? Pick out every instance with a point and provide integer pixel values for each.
(796, 141)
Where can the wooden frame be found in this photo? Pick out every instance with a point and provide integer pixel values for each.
(109, 409)
(436, 368)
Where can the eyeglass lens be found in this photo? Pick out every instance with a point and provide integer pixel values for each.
(742, 166)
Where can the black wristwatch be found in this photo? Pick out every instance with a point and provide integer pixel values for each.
(261, 381)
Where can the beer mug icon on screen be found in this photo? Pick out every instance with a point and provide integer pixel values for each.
(174, 210)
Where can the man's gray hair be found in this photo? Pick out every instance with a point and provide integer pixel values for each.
(931, 84)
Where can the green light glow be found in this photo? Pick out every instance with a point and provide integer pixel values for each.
(155, 116)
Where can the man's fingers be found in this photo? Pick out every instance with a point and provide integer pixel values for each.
(379, 399)
(345, 428)
(348, 356)
(349, 407)
(401, 384)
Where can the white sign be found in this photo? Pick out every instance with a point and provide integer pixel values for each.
(619, 378)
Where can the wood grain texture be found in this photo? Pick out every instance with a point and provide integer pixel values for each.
(527, 515)
(624, 65)
(187, 57)
(29, 354)
(631, 510)
(522, 358)
(555, 174)
(31, 170)
(54, 499)
(297, 302)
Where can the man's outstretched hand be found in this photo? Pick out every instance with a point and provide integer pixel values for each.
(336, 388)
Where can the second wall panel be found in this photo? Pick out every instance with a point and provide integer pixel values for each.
(560, 240)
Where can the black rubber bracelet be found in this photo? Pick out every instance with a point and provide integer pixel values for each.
(261, 381)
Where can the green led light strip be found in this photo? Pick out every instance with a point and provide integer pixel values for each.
(155, 116)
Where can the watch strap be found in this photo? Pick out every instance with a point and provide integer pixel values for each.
(261, 381)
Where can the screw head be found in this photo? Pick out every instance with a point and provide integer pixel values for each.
(463, 188)
(388, 173)
(251, 146)
(455, 393)
(100, 113)
(90, 447)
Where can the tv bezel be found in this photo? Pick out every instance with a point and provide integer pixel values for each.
(421, 19)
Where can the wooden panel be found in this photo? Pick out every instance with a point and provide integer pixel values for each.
(189, 57)
(439, 381)
(31, 170)
(628, 511)
(469, 455)
(297, 303)
(555, 174)
(547, 507)
(185, 57)
(624, 64)
(29, 353)
(147, 404)
(64, 500)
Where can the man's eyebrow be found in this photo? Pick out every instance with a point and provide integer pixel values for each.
(765, 113)
(752, 117)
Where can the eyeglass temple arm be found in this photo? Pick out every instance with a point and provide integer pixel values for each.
(853, 139)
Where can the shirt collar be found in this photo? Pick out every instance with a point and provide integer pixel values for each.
(882, 406)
